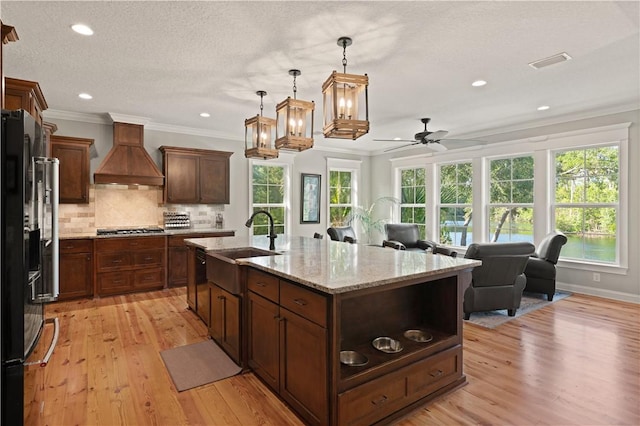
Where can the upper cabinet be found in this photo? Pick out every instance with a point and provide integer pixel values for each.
(73, 154)
(195, 176)
(26, 95)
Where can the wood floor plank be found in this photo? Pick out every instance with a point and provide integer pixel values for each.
(573, 362)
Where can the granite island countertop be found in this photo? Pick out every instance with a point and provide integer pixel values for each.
(335, 267)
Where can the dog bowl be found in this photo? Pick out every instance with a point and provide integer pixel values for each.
(387, 345)
(418, 336)
(353, 358)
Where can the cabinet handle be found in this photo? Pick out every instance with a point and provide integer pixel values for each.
(148, 258)
(221, 297)
(436, 373)
(202, 262)
(300, 302)
(134, 243)
(148, 278)
(260, 284)
(382, 400)
(117, 281)
(88, 257)
(116, 261)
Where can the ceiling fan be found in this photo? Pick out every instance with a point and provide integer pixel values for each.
(426, 137)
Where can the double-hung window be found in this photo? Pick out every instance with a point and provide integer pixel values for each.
(269, 193)
(587, 202)
(342, 189)
(455, 204)
(511, 199)
(413, 198)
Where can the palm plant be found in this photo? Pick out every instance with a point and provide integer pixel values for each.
(365, 216)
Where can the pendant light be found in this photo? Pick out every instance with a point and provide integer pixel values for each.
(294, 118)
(345, 100)
(258, 134)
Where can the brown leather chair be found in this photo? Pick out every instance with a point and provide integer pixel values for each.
(405, 236)
(342, 233)
(498, 283)
(541, 267)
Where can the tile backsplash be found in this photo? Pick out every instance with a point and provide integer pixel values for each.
(128, 206)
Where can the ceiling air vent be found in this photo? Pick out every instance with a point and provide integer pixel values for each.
(555, 59)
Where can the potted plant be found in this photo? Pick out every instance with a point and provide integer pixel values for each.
(365, 216)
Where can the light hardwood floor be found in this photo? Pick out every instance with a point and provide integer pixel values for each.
(574, 362)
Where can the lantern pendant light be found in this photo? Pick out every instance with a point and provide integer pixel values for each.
(294, 128)
(345, 101)
(258, 134)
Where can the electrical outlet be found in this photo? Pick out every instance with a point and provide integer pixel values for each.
(596, 277)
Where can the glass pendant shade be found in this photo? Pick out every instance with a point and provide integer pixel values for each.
(294, 128)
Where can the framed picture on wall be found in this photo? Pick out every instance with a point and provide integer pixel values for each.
(310, 198)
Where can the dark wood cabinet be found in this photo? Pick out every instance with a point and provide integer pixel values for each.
(76, 268)
(26, 95)
(178, 256)
(287, 343)
(73, 154)
(224, 323)
(127, 264)
(195, 176)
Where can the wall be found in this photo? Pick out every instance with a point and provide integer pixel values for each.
(136, 211)
(623, 285)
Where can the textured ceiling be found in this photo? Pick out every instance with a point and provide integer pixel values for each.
(170, 61)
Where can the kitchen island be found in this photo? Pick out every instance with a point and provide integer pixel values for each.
(307, 301)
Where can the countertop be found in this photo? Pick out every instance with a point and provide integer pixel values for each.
(168, 232)
(335, 267)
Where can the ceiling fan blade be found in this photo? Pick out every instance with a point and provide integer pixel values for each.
(435, 136)
(436, 146)
(394, 140)
(464, 140)
(401, 146)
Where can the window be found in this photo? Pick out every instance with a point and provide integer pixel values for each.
(586, 206)
(340, 196)
(413, 198)
(511, 199)
(455, 204)
(268, 192)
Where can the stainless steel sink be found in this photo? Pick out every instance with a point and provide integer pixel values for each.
(224, 271)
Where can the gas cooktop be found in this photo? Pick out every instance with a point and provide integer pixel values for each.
(127, 231)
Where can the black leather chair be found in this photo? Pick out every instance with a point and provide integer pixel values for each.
(317, 235)
(498, 283)
(405, 236)
(342, 233)
(541, 267)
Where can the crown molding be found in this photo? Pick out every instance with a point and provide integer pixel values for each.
(56, 114)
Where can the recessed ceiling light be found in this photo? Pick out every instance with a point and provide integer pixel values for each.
(205, 114)
(543, 107)
(478, 83)
(82, 29)
(85, 96)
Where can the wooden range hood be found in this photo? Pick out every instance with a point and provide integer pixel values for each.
(128, 163)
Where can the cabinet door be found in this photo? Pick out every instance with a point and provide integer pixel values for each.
(231, 325)
(216, 320)
(263, 333)
(73, 154)
(178, 258)
(76, 275)
(181, 178)
(303, 367)
(214, 180)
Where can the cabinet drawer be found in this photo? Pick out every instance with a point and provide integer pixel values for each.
(303, 302)
(148, 258)
(148, 278)
(372, 401)
(75, 246)
(128, 243)
(114, 282)
(110, 261)
(264, 284)
(431, 374)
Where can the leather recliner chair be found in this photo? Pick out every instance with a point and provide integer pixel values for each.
(342, 233)
(405, 236)
(541, 267)
(498, 283)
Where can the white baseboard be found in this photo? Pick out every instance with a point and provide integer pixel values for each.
(600, 292)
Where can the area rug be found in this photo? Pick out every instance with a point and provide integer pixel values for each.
(198, 364)
(530, 302)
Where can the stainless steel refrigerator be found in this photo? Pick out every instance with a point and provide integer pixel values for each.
(28, 251)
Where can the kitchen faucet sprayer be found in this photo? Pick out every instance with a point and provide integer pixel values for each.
(272, 232)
